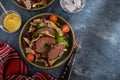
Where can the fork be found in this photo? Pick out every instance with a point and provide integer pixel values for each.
(65, 75)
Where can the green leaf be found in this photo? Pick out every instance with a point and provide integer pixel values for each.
(62, 39)
(41, 25)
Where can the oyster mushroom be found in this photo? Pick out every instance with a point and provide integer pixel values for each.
(52, 25)
(44, 61)
(37, 21)
(31, 29)
(42, 2)
(37, 38)
(47, 33)
(31, 44)
(29, 50)
(33, 23)
(26, 40)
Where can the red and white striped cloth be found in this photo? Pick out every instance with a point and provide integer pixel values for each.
(13, 68)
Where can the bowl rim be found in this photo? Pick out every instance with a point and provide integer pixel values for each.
(12, 11)
(50, 67)
(35, 8)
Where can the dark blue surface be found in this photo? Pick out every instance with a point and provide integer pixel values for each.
(98, 24)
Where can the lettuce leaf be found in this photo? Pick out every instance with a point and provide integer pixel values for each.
(62, 39)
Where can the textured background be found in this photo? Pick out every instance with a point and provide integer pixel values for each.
(98, 24)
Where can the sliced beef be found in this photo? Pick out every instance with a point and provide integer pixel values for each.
(56, 50)
(40, 44)
(46, 29)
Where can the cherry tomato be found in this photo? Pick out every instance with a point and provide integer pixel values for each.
(53, 18)
(66, 28)
(30, 57)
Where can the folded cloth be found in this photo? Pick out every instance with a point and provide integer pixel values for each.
(13, 68)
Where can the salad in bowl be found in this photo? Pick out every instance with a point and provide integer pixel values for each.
(46, 40)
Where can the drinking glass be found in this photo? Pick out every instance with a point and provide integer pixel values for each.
(72, 6)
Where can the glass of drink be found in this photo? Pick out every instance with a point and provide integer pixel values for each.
(72, 6)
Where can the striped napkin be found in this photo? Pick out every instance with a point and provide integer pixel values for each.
(13, 68)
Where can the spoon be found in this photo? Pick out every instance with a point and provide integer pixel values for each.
(3, 8)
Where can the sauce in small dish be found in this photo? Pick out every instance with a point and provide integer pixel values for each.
(11, 22)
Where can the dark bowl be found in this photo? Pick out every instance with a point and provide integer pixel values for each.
(33, 9)
(64, 57)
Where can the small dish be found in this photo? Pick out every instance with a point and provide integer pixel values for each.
(10, 23)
